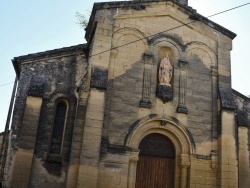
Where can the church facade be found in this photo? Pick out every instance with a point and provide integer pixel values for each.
(147, 102)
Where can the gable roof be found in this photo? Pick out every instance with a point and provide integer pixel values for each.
(138, 5)
(242, 109)
(47, 54)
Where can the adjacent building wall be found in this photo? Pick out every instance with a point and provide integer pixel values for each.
(243, 122)
(46, 77)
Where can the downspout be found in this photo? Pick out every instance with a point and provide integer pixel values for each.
(4, 146)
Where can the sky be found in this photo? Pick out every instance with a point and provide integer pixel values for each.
(30, 26)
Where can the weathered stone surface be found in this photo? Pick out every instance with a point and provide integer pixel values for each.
(48, 79)
(226, 97)
(145, 104)
(99, 78)
(243, 109)
(37, 85)
(182, 109)
(118, 101)
(165, 93)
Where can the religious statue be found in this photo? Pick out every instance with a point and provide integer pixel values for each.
(165, 71)
(164, 89)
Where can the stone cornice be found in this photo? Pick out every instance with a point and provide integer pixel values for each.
(47, 54)
(137, 5)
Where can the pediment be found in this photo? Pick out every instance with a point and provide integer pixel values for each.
(136, 9)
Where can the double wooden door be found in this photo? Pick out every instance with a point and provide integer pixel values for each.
(155, 167)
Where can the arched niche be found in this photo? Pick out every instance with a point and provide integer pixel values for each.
(128, 31)
(162, 52)
(169, 41)
(158, 48)
(129, 44)
(210, 57)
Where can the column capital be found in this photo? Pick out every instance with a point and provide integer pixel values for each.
(183, 64)
(184, 160)
(148, 58)
(134, 157)
(214, 70)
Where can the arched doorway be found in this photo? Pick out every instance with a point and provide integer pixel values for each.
(155, 167)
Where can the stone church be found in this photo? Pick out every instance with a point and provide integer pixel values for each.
(147, 102)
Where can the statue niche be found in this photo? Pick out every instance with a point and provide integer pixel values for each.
(164, 89)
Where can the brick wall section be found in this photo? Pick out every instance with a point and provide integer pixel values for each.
(201, 173)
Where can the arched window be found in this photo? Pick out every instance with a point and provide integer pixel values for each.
(58, 128)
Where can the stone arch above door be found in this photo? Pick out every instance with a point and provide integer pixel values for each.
(176, 133)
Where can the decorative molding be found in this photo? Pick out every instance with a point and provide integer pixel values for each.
(36, 88)
(214, 70)
(114, 52)
(134, 156)
(165, 93)
(184, 161)
(182, 109)
(204, 157)
(154, 39)
(148, 61)
(214, 159)
(226, 99)
(183, 65)
(99, 78)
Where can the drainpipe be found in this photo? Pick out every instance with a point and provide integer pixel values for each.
(6, 131)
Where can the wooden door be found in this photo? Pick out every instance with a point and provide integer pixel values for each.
(155, 167)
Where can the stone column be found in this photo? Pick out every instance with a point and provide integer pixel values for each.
(182, 87)
(145, 101)
(132, 169)
(72, 174)
(214, 70)
(92, 134)
(184, 165)
(23, 157)
(228, 162)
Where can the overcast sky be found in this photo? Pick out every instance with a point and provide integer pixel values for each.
(29, 26)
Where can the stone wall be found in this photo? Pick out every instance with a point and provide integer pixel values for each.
(200, 56)
(243, 122)
(47, 76)
(113, 102)
(197, 44)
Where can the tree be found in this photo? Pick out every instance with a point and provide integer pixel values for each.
(82, 19)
